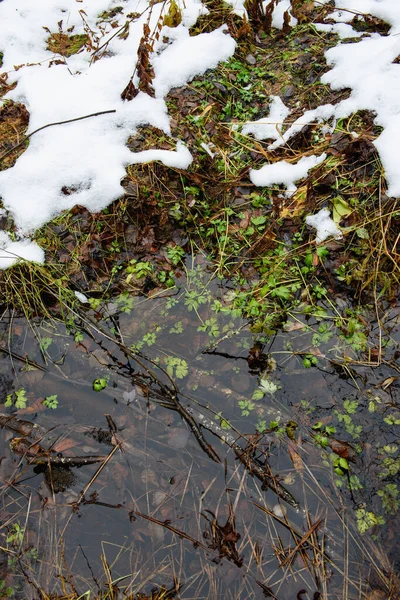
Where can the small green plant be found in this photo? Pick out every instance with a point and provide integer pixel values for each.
(125, 302)
(150, 338)
(322, 433)
(99, 384)
(78, 336)
(45, 343)
(211, 326)
(246, 406)
(138, 270)
(15, 536)
(393, 419)
(265, 387)
(350, 407)
(224, 424)
(389, 496)
(51, 401)
(309, 361)
(353, 332)
(176, 367)
(6, 591)
(322, 336)
(340, 466)
(193, 299)
(175, 254)
(177, 328)
(367, 519)
(94, 303)
(115, 247)
(166, 278)
(18, 399)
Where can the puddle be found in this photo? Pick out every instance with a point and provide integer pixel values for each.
(157, 509)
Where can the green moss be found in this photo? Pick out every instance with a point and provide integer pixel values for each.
(66, 45)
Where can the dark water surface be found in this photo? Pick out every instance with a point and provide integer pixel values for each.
(160, 510)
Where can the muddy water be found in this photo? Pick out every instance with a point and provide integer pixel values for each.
(159, 509)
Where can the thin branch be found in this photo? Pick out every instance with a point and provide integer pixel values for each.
(24, 139)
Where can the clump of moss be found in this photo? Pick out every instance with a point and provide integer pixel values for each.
(66, 45)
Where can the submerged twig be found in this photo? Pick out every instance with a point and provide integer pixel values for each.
(255, 469)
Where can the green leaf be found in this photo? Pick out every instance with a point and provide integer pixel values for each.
(99, 384)
(182, 369)
(392, 420)
(51, 401)
(318, 425)
(350, 406)
(224, 424)
(339, 471)
(9, 401)
(268, 387)
(257, 394)
(340, 209)
(45, 343)
(343, 464)
(258, 220)
(362, 233)
(308, 259)
(20, 399)
(322, 252)
(282, 292)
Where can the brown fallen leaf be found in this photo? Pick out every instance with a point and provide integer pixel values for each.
(296, 458)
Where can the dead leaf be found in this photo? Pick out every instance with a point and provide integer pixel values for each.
(295, 205)
(296, 458)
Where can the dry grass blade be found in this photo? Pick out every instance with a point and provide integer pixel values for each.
(303, 540)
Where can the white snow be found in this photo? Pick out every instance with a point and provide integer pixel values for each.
(269, 127)
(181, 158)
(279, 11)
(367, 68)
(324, 225)
(81, 297)
(191, 55)
(87, 158)
(12, 252)
(285, 173)
(343, 30)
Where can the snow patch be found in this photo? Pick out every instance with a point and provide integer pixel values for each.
(285, 173)
(83, 162)
(324, 225)
(269, 127)
(12, 252)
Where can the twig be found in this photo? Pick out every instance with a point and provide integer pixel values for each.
(167, 525)
(305, 537)
(24, 139)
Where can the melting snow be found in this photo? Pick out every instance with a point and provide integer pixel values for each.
(285, 173)
(89, 156)
(324, 225)
(269, 127)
